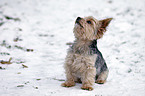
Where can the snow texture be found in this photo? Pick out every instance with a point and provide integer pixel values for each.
(34, 34)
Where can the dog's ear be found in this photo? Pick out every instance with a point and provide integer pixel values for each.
(105, 22)
(103, 25)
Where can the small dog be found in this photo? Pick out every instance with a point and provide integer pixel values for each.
(84, 62)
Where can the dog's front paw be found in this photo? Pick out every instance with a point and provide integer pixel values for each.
(87, 88)
(68, 84)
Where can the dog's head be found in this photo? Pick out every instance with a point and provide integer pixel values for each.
(89, 28)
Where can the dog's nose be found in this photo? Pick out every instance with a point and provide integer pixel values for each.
(78, 19)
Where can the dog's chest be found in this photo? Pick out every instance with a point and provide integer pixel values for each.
(82, 63)
(83, 57)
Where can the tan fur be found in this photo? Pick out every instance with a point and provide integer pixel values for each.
(88, 32)
(79, 64)
(102, 77)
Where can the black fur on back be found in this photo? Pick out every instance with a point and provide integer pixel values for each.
(100, 63)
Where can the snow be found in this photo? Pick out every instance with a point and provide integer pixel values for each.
(46, 26)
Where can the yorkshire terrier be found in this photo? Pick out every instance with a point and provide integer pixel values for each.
(84, 62)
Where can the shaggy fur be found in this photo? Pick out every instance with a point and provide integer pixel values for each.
(84, 62)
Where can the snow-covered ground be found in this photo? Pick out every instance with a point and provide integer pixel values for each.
(34, 34)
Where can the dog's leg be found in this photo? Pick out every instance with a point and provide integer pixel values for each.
(102, 77)
(88, 78)
(70, 78)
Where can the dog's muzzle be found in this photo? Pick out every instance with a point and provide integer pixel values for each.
(78, 21)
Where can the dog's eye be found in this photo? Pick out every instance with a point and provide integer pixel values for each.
(89, 22)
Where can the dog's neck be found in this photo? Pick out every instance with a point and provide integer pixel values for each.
(83, 46)
(82, 42)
